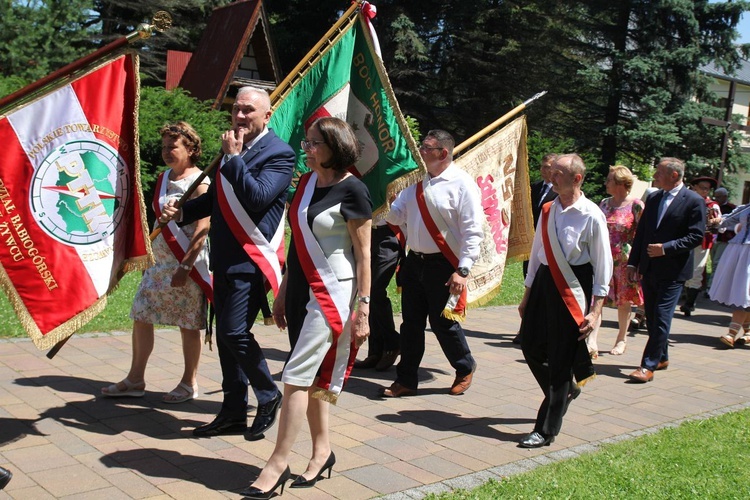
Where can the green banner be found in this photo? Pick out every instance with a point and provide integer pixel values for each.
(348, 81)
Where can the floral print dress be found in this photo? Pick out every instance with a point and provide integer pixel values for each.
(622, 223)
(156, 301)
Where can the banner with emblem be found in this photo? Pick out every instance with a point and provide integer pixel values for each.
(72, 218)
(345, 77)
(500, 166)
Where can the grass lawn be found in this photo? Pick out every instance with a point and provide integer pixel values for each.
(115, 315)
(699, 459)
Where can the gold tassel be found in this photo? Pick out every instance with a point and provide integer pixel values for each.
(453, 316)
(585, 381)
(325, 395)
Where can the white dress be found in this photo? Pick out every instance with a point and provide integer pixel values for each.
(731, 282)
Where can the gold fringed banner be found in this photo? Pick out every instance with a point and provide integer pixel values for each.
(500, 166)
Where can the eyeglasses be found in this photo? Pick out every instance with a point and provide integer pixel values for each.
(424, 147)
(310, 144)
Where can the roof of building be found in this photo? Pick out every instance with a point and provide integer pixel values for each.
(741, 75)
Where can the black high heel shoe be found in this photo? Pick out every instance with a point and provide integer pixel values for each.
(256, 493)
(301, 482)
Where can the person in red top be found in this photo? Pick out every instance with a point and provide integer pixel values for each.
(702, 186)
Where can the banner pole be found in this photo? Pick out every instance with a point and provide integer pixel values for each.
(280, 88)
(161, 21)
(507, 116)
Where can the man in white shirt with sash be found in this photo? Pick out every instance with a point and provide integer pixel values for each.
(246, 204)
(570, 261)
(443, 217)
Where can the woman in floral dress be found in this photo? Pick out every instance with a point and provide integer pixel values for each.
(623, 213)
(173, 291)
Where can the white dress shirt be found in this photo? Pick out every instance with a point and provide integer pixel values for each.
(459, 201)
(582, 232)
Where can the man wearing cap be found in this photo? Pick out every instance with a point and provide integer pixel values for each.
(673, 223)
(721, 196)
(702, 186)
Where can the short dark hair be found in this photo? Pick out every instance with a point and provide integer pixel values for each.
(187, 132)
(443, 138)
(339, 136)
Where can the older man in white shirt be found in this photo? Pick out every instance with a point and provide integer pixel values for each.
(570, 261)
(443, 220)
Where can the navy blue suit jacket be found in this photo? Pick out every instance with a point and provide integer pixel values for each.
(261, 177)
(681, 230)
(536, 204)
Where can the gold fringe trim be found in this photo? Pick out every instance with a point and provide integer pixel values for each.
(140, 266)
(69, 327)
(413, 176)
(324, 395)
(209, 340)
(585, 381)
(268, 321)
(453, 316)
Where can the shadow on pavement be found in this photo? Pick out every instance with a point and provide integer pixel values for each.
(444, 421)
(215, 473)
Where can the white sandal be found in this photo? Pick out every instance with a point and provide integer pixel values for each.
(619, 348)
(176, 396)
(112, 391)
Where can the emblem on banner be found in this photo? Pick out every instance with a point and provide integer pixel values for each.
(78, 192)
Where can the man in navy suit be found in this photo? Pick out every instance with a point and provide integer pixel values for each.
(672, 224)
(256, 172)
(541, 193)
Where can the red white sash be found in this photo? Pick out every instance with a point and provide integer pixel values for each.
(333, 300)
(178, 241)
(268, 256)
(455, 308)
(566, 282)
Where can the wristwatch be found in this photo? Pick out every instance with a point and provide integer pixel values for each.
(186, 267)
(365, 299)
(463, 271)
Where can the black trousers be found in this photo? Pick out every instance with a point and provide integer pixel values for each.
(237, 299)
(386, 252)
(424, 296)
(551, 347)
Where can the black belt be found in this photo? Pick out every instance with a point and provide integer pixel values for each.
(427, 256)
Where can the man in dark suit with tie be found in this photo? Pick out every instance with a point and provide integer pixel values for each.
(256, 173)
(673, 223)
(541, 193)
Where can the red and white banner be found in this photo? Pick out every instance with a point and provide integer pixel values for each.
(71, 210)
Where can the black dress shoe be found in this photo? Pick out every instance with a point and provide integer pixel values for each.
(536, 440)
(220, 426)
(6, 475)
(301, 482)
(369, 362)
(257, 493)
(517, 338)
(265, 417)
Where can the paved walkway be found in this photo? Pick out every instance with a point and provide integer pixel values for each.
(61, 441)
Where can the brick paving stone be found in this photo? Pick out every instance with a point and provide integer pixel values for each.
(69, 480)
(401, 448)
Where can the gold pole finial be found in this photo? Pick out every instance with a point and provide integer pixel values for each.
(161, 22)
